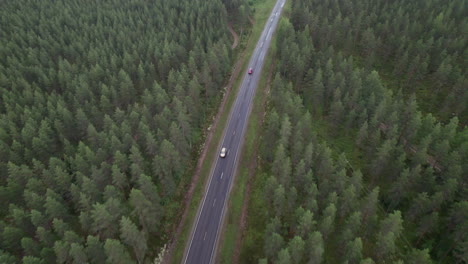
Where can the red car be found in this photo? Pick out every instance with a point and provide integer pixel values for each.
(250, 71)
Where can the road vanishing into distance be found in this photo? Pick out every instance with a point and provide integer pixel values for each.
(203, 240)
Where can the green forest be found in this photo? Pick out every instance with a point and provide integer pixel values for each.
(364, 150)
(363, 153)
(102, 111)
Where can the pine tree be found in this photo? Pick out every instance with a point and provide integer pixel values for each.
(279, 200)
(77, 253)
(281, 167)
(119, 179)
(273, 243)
(325, 164)
(269, 189)
(30, 247)
(62, 251)
(306, 224)
(29, 260)
(11, 239)
(284, 257)
(271, 133)
(116, 252)
(367, 261)
(296, 247)
(150, 190)
(418, 256)
(317, 94)
(428, 223)
(326, 225)
(103, 221)
(316, 248)
(337, 113)
(458, 227)
(54, 207)
(389, 231)
(299, 178)
(95, 250)
(348, 201)
(353, 251)
(45, 236)
(145, 211)
(285, 132)
(383, 155)
(135, 239)
(369, 209)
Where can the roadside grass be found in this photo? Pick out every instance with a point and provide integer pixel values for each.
(253, 241)
(253, 132)
(263, 8)
(252, 238)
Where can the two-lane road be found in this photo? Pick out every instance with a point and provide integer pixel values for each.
(203, 239)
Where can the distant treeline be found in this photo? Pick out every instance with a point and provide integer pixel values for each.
(420, 45)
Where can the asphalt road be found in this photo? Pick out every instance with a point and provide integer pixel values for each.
(204, 237)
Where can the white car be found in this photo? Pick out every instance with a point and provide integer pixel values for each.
(223, 153)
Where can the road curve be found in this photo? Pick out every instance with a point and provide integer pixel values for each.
(201, 246)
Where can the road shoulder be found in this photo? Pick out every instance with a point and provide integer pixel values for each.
(234, 224)
(189, 199)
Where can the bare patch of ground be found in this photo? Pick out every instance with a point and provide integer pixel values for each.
(234, 35)
(252, 167)
(251, 20)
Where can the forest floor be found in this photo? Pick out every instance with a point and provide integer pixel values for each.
(251, 170)
(234, 35)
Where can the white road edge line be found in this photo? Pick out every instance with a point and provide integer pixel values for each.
(198, 217)
(235, 159)
(231, 114)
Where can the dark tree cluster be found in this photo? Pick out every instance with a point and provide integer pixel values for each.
(407, 204)
(238, 10)
(102, 105)
(320, 209)
(421, 45)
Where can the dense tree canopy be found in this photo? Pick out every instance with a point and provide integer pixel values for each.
(403, 197)
(420, 46)
(102, 105)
